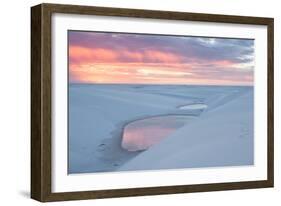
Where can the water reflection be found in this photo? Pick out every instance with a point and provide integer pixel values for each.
(141, 134)
(194, 106)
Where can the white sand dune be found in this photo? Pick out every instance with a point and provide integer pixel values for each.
(98, 113)
(221, 137)
(194, 106)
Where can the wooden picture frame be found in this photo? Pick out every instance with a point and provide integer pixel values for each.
(41, 101)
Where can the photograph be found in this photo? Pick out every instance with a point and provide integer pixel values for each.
(133, 102)
(139, 102)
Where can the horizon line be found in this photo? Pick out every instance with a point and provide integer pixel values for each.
(144, 84)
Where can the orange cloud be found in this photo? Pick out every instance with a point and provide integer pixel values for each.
(82, 54)
(103, 65)
(152, 73)
(160, 56)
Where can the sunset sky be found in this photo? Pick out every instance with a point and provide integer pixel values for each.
(116, 58)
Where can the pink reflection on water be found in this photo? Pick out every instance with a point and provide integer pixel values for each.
(141, 134)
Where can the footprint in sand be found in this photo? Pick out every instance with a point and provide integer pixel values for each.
(101, 147)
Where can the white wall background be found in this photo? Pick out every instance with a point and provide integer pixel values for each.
(15, 102)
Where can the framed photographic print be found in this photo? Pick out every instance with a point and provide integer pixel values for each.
(132, 102)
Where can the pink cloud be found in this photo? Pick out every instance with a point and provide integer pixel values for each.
(105, 64)
(85, 55)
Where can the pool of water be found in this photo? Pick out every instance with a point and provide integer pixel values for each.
(194, 106)
(142, 134)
